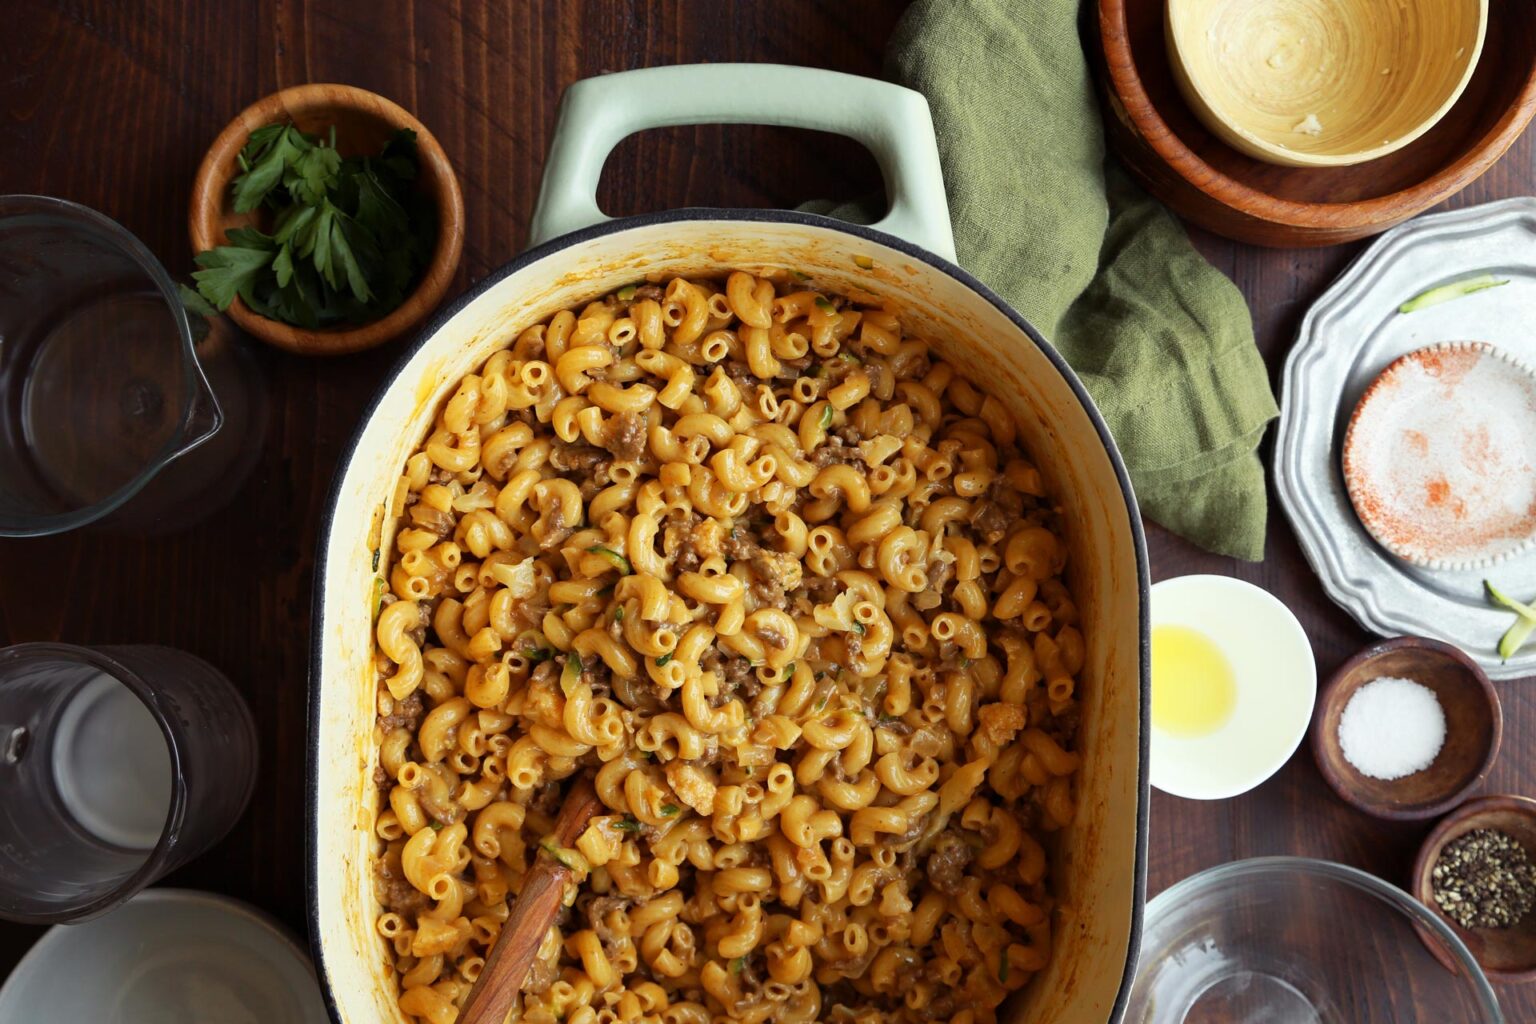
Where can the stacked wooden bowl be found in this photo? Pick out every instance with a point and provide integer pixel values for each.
(1211, 182)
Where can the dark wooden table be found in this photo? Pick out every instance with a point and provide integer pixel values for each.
(112, 104)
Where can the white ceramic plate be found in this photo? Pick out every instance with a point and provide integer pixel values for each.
(167, 956)
(1347, 338)
(1276, 678)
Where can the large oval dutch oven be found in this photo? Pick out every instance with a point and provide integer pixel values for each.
(577, 255)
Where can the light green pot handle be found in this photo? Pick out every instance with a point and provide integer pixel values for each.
(891, 121)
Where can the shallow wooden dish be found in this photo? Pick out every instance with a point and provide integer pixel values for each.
(1507, 955)
(363, 121)
(1205, 180)
(1474, 727)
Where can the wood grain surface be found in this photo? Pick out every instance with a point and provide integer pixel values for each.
(112, 104)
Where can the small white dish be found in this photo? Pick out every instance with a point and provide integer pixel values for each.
(1275, 682)
(167, 956)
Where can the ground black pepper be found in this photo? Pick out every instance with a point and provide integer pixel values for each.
(1484, 879)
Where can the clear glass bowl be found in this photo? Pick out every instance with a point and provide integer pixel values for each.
(1288, 940)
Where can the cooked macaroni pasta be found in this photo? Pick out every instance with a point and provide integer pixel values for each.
(785, 586)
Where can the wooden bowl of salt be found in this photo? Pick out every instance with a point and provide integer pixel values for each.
(1406, 728)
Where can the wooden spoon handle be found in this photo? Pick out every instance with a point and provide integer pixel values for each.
(506, 966)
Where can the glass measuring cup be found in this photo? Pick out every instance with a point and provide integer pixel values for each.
(100, 383)
(117, 766)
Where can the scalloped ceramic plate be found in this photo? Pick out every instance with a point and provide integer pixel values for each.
(1350, 335)
(1439, 456)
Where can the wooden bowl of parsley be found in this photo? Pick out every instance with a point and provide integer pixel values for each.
(326, 219)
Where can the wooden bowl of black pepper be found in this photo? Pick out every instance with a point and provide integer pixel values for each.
(1486, 852)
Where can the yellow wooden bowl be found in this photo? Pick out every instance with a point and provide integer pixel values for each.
(1323, 83)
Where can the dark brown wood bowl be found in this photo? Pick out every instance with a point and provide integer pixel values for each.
(1507, 955)
(364, 121)
(1203, 179)
(1474, 727)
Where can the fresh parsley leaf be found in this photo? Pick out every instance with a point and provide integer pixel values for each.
(628, 824)
(377, 209)
(313, 174)
(282, 266)
(400, 154)
(268, 159)
(195, 303)
(348, 236)
(320, 243)
(341, 247)
(294, 225)
(259, 139)
(249, 238)
(669, 809)
(663, 660)
(230, 270)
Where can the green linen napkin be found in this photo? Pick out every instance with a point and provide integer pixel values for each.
(1162, 340)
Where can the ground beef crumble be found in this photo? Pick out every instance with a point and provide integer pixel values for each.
(627, 436)
(947, 862)
(737, 676)
(406, 714)
(394, 890)
(596, 911)
(835, 452)
(576, 458)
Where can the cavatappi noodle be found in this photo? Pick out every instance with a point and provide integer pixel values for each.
(786, 586)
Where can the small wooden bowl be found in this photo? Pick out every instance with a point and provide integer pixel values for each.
(1507, 955)
(1474, 727)
(363, 121)
(1323, 85)
(1202, 178)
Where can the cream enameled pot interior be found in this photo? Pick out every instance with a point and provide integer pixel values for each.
(1096, 863)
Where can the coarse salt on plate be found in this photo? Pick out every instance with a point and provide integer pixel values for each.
(1439, 456)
